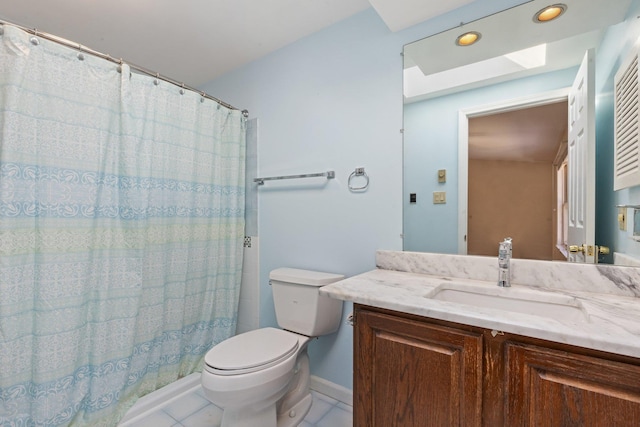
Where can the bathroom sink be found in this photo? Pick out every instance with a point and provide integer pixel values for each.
(517, 300)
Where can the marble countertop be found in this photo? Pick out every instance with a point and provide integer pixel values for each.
(612, 321)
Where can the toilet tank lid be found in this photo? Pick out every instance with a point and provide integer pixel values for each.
(304, 277)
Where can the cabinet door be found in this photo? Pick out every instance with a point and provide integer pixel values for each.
(411, 373)
(557, 388)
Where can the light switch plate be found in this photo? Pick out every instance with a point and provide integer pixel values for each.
(439, 197)
(442, 175)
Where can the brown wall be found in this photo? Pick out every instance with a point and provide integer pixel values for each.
(510, 199)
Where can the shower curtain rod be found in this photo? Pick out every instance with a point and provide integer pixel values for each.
(138, 68)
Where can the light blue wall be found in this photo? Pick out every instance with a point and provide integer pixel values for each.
(332, 100)
(431, 143)
(617, 44)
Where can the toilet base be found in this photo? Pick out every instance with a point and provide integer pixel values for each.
(296, 414)
(295, 404)
(250, 417)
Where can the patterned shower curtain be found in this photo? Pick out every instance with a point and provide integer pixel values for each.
(121, 231)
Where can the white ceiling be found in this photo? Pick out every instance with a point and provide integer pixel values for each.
(579, 29)
(513, 30)
(401, 14)
(195, 41)
(525, 135)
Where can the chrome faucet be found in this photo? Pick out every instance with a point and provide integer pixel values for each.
(504, 257)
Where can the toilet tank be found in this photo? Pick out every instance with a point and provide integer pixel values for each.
(299, 306)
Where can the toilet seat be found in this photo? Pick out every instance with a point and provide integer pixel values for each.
(251, 351)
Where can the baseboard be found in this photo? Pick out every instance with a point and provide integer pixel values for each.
(332, 390)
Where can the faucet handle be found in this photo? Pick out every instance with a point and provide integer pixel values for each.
(506, 246)
(504, 255)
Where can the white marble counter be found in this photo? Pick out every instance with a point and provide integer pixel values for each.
(609, 296)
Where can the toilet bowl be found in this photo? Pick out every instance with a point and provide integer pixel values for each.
(261, 378)
(247, 387)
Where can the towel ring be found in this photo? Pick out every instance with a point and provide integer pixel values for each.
(358, 172)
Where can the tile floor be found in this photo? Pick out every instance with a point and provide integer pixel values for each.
(194, 410)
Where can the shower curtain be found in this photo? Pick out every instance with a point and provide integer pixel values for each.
(121, 231)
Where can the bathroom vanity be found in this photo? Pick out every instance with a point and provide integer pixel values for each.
(437, 342)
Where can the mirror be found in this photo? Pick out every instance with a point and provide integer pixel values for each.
(486, 130)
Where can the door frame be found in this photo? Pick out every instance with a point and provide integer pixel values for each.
(536, 100)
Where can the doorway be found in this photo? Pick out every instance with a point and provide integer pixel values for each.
(513, 157)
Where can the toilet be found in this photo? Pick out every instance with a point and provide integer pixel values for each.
(261, 377)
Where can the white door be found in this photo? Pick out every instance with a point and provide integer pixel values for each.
(581, 158)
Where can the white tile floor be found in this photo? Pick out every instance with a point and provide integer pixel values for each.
(194, 410)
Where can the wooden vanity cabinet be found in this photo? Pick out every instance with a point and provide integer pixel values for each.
(560, 388)
(416, 371)
(412, 373)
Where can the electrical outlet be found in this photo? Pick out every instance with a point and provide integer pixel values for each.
(622, 219)
(636, 223)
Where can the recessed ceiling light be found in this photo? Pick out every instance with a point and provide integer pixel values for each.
(468, 38)
(550, 13)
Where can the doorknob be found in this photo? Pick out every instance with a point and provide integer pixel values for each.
(601, 250)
